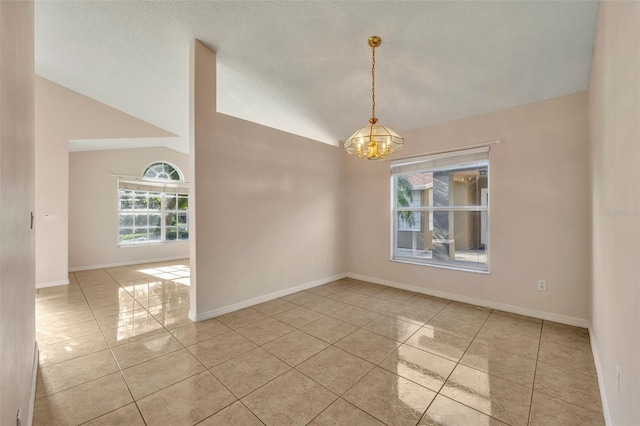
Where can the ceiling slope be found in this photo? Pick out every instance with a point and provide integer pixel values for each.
(91, 125)
(304, 66)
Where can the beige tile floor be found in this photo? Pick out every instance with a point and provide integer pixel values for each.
(117, 348)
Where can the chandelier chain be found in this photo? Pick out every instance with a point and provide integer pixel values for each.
(373, 82)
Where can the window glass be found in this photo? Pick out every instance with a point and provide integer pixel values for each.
(153, 216)
(441, 210)
(162, 170)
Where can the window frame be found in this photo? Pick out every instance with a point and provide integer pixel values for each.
(133, 212)
(163, 163)
(164, 188)
(177, 212)
(427, 210)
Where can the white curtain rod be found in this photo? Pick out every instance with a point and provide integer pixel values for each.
(443, 151)
(142, 179)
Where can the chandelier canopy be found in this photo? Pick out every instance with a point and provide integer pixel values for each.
(374, 141)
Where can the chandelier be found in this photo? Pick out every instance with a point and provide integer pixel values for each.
(374, 141)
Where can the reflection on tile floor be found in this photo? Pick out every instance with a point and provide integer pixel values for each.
(117, 348)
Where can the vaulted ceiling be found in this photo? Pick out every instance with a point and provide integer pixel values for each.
(304, 66)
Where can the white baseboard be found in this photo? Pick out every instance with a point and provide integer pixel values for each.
(549, 316)
(125, 263)
(261, 299)
(192, 316)
(34, 375)
(52, 283)
(600, 373)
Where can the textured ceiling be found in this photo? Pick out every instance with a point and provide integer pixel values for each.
(304, 66)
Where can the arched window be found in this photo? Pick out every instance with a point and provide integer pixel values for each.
(155, 208)
(163, 170)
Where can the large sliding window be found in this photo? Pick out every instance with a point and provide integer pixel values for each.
(153, 209)
(441, 210)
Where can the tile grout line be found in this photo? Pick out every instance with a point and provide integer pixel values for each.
(459, 363)
(146, 308)
(294, 367)
(271, 316)
(535, 372)
(564, 369)
(374, 365)
(135, 401)
(378, 364)
(306, 376)
(118, 364)
(261, 347)
(344, 337)
(109, 348)
(116, 359)
(456, 366)
(295, 328)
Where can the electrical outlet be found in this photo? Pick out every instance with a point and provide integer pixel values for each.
(618, 380)
(542, 285)
(312, 264)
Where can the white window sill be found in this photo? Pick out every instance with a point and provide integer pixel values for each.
(152, 244)
(441, 265)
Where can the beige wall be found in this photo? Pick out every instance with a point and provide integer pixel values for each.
(17, 290)
(202, 115)
(542, 235)
(277, 205)
(614, 135)
(268, 203)
(61, 115)
(93, 207)
(271, 203)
